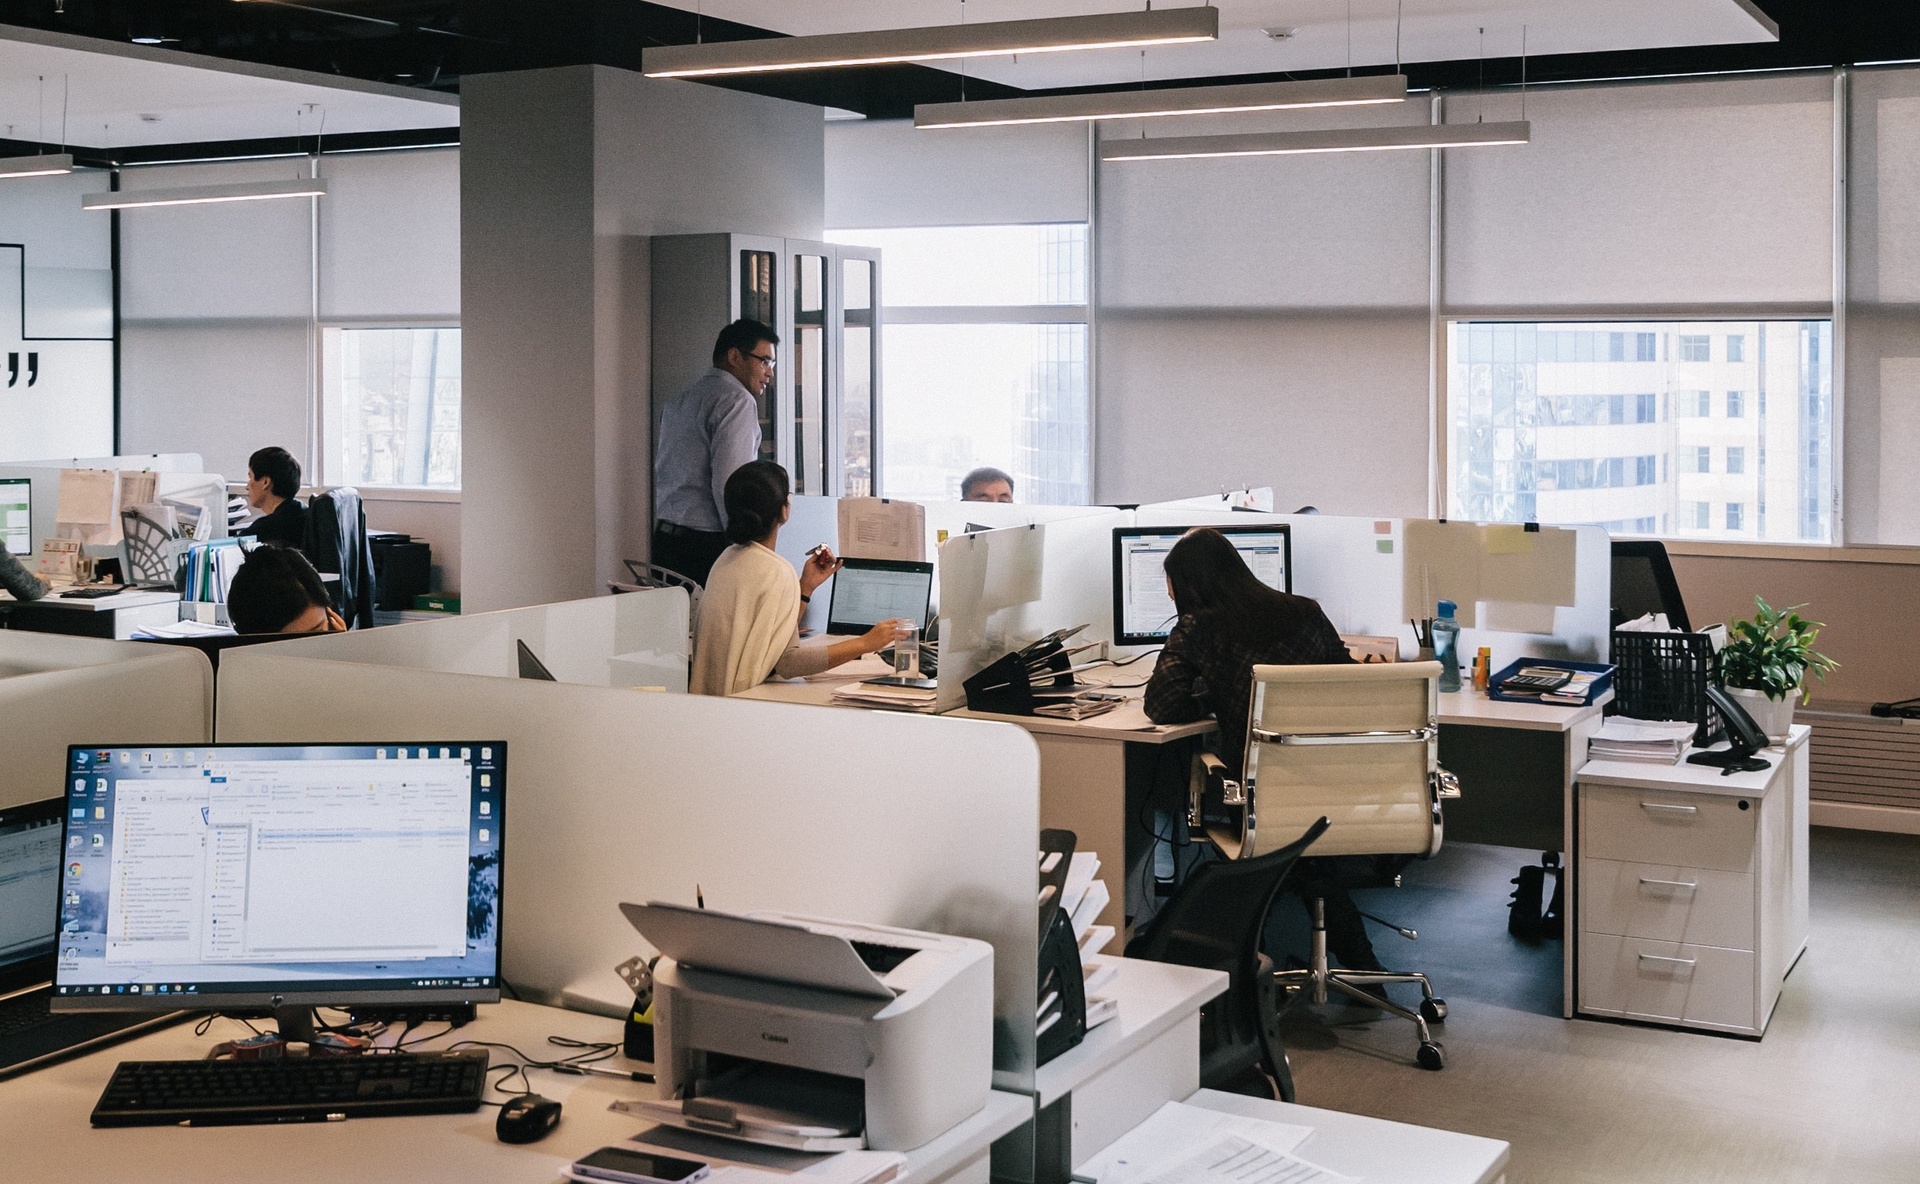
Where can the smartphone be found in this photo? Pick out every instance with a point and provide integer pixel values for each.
(624, 1166)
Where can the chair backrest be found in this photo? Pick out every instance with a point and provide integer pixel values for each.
(1357, 745)
(1643, 582)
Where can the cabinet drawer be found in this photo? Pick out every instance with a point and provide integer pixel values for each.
(1667, 982)
(1672, 829)
(1679, 904)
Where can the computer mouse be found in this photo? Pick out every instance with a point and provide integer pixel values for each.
(528, 1118)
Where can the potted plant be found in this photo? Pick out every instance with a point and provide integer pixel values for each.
(1766, 661)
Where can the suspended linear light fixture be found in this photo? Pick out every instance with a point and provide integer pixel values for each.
(1116, 30)
(1358, 139)
(1147, 104)
(50, 164)
(204, 194)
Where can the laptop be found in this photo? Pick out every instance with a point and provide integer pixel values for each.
(869, 591)
(30, 1035)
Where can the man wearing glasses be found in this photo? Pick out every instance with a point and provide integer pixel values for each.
(706, 432)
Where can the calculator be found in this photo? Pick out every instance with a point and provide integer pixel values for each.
(1535, 679)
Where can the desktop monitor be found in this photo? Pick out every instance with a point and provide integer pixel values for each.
(238, 876)
(16, 514)
(869, 591)
(1143, 612)
(29, 863)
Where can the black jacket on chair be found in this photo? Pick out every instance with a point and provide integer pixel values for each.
(337, 544)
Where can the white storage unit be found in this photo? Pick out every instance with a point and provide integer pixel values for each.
(1692, 890)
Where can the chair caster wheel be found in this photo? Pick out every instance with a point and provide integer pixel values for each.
(1433, 1011)
(1431, 1056)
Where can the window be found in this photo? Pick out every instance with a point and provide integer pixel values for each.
(393, 406)
(1736, 347)
(984, 347)
(1736, 515)
(1537, 432)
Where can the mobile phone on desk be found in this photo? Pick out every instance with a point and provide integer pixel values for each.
(622, 1165)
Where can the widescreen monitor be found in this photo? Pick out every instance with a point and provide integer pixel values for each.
(16, 514)
(1143, 612)
(250, 875)
(869, 591)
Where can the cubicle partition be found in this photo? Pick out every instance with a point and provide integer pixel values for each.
(618, 795)
(57, 690)
(636, 640)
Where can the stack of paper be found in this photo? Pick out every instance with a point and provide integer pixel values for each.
(1083, 896)
(1182, 1144)
(1650, 741)
(890, 698)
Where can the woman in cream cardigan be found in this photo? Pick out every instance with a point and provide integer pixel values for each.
(749, 626)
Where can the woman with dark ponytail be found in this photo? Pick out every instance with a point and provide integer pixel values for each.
(749, 626)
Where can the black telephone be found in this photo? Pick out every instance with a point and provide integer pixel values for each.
(1744, 738)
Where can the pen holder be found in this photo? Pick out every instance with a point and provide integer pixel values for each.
(1006, 686)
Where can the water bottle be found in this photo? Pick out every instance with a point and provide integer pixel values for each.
(1446, 646)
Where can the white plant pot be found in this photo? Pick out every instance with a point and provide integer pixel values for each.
(1775, 716)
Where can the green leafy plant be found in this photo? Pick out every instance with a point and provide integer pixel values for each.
(1773, 652)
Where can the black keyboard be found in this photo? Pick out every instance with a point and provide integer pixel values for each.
(298, 1089)
(24, 1013)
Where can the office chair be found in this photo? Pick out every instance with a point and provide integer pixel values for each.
(1643, 582)
(1355, 745)
(1215, 921)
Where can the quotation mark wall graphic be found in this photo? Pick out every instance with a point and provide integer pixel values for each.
(13, 368)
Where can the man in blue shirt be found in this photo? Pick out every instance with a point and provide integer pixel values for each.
(706, 432)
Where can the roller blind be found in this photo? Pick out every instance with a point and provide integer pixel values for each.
(890, 174)
(1714, 192)
(390, 236)
(243, 260)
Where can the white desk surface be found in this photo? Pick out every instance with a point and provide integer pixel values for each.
(1154, 996)
(43, 1122)
(1687, 778)
(53, 599)
(818, 691)
(1474, 709)
(1380, 1151)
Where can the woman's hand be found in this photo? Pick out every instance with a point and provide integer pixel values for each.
(884, 634)
(818, 569)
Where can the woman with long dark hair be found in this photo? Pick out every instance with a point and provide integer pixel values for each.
(1229, 622)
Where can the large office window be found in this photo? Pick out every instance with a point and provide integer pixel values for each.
(392, 406)
(1542, 415)
(984, 352)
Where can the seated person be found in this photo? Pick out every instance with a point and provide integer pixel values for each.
(20, 583)
(277, 591)
(986, 484)
(273, 488)
(749, 626)
(1229, 623)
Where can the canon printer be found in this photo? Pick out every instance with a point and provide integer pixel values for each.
(814, 1034)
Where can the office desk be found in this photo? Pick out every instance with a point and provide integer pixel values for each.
(1693, 905)
(43, 1124)
(1083, 763)
(117, 617)
(1375, 1149)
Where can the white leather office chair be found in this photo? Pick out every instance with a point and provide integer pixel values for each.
(1358, 745)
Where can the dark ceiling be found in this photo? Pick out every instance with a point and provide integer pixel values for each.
(433, 43)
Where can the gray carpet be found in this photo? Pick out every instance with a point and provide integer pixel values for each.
(1831, 1094)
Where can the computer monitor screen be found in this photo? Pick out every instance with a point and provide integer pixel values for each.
(29, 875)
(234, 875)
(16, 514)
(869, 591)
(1143, 612)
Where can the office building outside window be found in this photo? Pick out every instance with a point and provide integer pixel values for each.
(1567, 422)
(392, 406)
(985, 356)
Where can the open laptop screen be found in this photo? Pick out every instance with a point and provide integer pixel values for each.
(869, 591)
(29, 871)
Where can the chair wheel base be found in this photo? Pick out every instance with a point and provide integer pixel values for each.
(1433, 1010)
(1432, 1056)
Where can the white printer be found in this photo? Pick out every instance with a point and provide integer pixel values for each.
(815, 1034)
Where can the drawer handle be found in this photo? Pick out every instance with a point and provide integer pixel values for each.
(1671, 961)
(1671, 809)
(1646, 883)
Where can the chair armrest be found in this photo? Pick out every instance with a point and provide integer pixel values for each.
(1209, 776)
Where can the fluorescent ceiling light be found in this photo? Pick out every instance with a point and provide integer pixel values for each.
(204, 194)
(1358, 139)
(1147, 104)
(1116, 30)
(46, 165)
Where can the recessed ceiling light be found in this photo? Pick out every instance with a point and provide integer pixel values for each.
(155, 40)
(1282, 32)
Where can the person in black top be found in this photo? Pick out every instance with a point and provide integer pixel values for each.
(1229, 623)
(273, 487)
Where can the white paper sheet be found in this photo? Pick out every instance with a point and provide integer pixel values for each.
(882, 528)
(1175, 1127)
(1236, 1159)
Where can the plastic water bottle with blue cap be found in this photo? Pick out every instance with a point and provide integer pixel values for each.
(1446, 646)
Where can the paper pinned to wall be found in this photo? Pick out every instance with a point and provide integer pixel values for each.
(86, 509)
(137, 489)
(1441, 562)
(1014, 566)
(882, 528)
(1543, 573)
(1509, 539)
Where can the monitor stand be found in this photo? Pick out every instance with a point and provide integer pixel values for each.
(1731, 761)
(295, 1023)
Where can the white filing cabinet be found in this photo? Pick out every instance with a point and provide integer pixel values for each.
(1692, 890)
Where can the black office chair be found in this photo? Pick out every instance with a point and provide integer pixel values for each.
(1216, 921)
(1643, 583)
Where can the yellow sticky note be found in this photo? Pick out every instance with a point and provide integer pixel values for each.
(1509, 540)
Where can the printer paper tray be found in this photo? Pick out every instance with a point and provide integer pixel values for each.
(669, 1113)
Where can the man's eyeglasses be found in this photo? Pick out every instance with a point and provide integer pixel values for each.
(763, 359)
